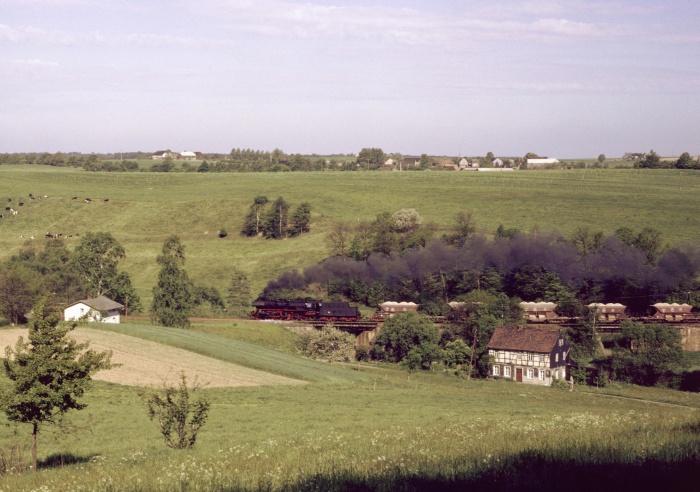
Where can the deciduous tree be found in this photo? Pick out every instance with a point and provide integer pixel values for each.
(463, 227)
(48, 373)
(96, 259)
(370, 158)
(276, 220)
(644, 353)
(19, 287)
(406, 331)
(339, 239)
(253, 222)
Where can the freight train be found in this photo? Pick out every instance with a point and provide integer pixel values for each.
(612, 313)
(305, 310)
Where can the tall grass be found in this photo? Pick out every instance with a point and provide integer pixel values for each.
(388, 434)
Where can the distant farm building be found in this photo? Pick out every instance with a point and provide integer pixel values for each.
(528, 355)
(97, 310)
(183, 156)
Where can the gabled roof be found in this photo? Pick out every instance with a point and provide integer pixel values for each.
(101, 303)
(525, 339)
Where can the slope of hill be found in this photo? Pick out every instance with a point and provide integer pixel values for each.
(144, 208)
(229, 350)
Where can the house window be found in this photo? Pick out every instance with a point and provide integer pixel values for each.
(556, 357)
(496, 371)
(529, 356)
(506, 371)
(530, 373)
(540, 375)
(561, 342)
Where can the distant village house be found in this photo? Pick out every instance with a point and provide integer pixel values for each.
(177, 156)
(97, 310)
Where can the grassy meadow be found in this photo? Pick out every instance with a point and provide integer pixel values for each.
(367, 429)
(144, 208)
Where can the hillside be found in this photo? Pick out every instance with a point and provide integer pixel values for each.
(144, 208)
(372, 429)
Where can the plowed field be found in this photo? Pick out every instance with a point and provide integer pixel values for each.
(145, 363)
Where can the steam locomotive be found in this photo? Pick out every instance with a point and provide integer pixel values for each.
(304, 310)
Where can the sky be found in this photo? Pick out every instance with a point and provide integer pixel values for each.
(560, 78)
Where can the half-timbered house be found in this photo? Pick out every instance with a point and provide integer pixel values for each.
(528, 355)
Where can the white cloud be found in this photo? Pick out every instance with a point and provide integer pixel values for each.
(56, 37)
(399, 25)
(35, 62)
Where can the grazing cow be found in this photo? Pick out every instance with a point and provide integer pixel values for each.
(74, 198)
(2, 216)
(87, 200)
(14, 212)
(31, 237)
(31, 195)
(106, 200)
(9, 199)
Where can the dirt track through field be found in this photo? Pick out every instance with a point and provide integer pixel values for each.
(147, 363)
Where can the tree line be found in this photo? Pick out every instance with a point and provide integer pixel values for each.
(398, 257)
(249, 160)
(93, 269)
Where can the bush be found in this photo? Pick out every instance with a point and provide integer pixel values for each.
(223, 233)
(179, 420)
(362, 354)
(331, 344)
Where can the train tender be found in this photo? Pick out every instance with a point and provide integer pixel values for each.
(305, 310)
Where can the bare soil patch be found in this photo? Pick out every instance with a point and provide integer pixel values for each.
(147, 363)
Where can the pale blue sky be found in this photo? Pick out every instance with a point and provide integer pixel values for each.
(559, 78)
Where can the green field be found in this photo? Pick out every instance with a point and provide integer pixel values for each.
(368, 429)
(144, 208)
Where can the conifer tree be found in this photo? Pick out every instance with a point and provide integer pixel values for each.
(173, 297)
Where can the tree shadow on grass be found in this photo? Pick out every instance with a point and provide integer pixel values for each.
(529, 471)
(60, 460)
(690, 381)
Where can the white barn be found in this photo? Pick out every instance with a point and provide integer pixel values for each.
(99, 310)
(542, 161)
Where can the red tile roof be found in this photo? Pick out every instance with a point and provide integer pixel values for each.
(526, 339)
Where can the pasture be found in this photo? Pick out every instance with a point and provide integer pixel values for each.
(144, 208)
(367, 429)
